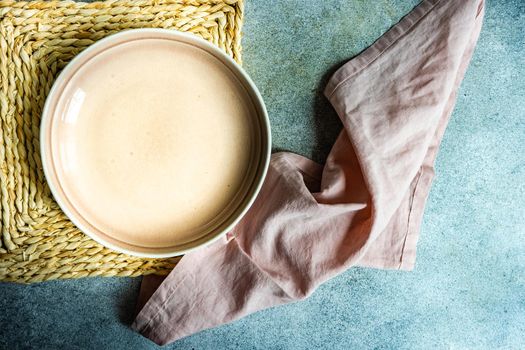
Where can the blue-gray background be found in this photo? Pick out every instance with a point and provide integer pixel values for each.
(468, 288)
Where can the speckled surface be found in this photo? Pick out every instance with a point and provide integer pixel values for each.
(468, 288)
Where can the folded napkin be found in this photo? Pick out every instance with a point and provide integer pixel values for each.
(364, 207)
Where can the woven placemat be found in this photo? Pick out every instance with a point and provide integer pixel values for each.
(37, 39)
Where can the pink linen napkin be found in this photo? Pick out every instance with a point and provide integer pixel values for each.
(364, 207)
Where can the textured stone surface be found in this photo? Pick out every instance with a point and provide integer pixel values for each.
(468, 288)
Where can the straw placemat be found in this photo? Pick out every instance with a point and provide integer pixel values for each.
(37, 39)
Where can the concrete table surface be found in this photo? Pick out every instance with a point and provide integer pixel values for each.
(468, 288)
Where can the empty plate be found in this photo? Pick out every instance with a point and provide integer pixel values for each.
(154, 142)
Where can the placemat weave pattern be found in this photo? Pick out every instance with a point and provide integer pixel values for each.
(37, 39)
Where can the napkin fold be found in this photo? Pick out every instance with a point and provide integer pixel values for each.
(363, 207)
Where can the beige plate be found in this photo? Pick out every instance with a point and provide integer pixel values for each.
(154, 142)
